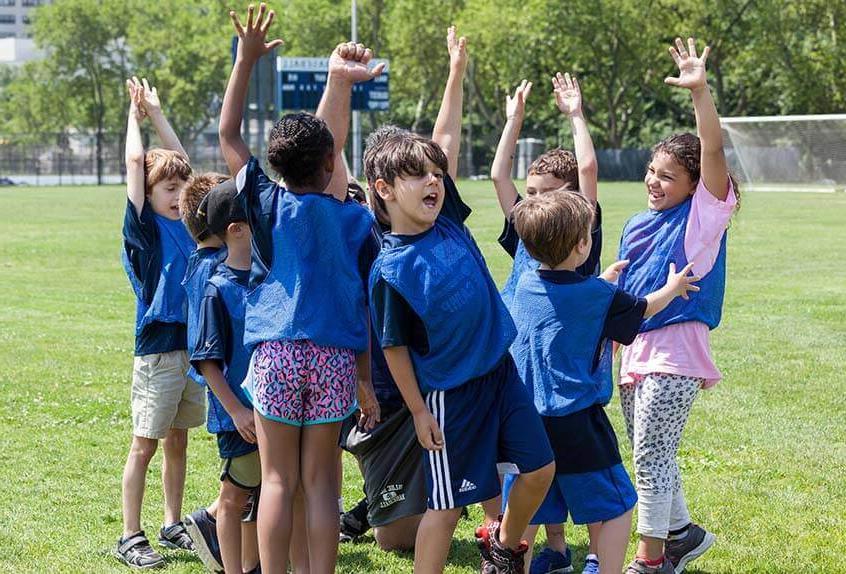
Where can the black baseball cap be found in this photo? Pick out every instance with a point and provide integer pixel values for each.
(221, 206)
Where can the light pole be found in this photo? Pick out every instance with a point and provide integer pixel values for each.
(356, 115)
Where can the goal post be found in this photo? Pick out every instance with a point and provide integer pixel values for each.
(788, 153)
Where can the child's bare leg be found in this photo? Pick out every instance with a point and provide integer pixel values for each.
(279, 449)
(249, 546)
(212, 508)
(529, 536)
(175, 446)
(555, 538)
(229, 513)
(134, 481)
(434, 537)
(299, 536)
(649, 548)
(399, 534)
(524, 499)
(611, 542)
(320, 486)
(492, 509)
(593, 536)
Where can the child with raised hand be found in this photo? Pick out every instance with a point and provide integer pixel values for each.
(554, 170)
(165, 403)
(305, 318)
(223, 360)
(445, 334)
(389, 454)
(691, 198)
(565, 325)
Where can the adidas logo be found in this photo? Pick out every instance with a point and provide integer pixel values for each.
(466, 486)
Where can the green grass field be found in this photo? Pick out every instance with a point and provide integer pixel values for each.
(764, 456)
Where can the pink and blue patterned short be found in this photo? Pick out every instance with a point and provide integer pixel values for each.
(302, 383)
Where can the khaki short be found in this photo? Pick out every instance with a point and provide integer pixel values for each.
(242, 471)
(163, 397)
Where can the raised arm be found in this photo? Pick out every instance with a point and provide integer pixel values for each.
(153, 109)
(134, 153)
(568, 98)
(348, 65)
(692, 76)
(447, 130)
(515, 108)
(251, 47)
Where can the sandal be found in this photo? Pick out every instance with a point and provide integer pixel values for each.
(176, 537)
(136, 552)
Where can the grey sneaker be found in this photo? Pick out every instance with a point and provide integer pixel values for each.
(136, 552)
(691, 547)
(639, 567)
(591, 564)
(176, 537)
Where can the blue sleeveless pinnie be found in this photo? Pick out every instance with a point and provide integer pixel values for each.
(168, 304)
(651, 241)
(445, 280)
(201, 266)
(522, 262)
(559, 329)
(235, 369)
(313, 289)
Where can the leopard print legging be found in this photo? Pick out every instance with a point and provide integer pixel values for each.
(656, 409)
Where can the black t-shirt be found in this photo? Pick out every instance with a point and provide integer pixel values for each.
(396, 322)
(143, 249)
(509, 240)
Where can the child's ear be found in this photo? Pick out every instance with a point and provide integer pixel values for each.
(383, 189)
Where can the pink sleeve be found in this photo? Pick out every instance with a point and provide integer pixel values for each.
(706, 225)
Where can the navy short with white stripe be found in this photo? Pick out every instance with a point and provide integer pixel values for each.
(490, 419)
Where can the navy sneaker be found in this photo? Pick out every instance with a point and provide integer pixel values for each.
(202, 529)
(550, 561)
(354, 522)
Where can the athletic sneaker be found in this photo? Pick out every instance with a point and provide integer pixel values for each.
(499, 559)
(175, 537)
(639, 567)
(136, 552)
(550, 561)
(591, 564)
(354, 523)
(202, 528)
(682, 550)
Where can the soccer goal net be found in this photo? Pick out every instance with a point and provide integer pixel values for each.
(788, 153)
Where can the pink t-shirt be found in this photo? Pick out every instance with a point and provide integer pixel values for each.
(685, 348)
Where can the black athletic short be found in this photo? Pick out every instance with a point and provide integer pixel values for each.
(391, 461)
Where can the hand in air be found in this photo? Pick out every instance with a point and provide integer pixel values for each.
(612, 273)
(428, 432)
(568, 95)
(681, 283)
(457, 51)
(136, 98)
(251, 38)
(691, 68)
(349, 61)
(515, 107)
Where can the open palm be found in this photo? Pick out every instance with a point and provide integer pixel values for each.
(568, 95)
(691, 68)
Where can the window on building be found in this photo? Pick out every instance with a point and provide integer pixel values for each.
(7, 2)
(7, 18)
(32, 2)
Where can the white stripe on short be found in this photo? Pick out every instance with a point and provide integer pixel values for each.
(441, 494)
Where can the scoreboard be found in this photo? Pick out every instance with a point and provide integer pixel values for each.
(300, 83)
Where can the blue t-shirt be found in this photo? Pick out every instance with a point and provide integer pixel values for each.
(509, 240)
(215, 340)
(142, 246)
(396, 321)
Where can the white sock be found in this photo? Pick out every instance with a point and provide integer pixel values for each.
(341, 504)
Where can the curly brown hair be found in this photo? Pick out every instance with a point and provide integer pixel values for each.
(686, 149)
(189, 200)
(559, 163)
